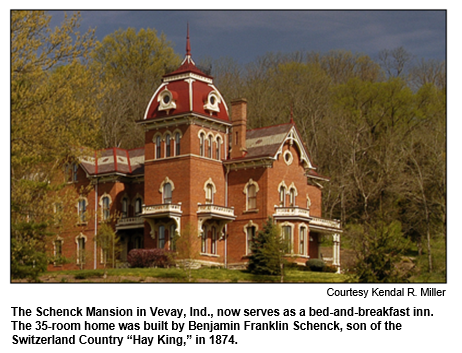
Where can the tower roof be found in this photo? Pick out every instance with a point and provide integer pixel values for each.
(187, 90)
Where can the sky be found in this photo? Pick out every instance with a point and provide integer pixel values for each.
(246, 35)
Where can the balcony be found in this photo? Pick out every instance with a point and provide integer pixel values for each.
(130, 223)
(323, 224)
(169, 210)
(210, 211)
(292, 213)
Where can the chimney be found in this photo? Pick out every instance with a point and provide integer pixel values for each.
(239, 130)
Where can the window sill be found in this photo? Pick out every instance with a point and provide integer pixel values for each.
(251, 211)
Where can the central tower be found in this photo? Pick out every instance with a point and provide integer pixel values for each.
(187, 125)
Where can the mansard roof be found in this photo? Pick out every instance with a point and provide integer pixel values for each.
(184, 91)
(115, 160)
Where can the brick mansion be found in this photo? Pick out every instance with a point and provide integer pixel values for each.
(199, 166)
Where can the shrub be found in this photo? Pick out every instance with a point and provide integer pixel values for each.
(267, 251)
(150, 258)
(330, 269)
(316, 265)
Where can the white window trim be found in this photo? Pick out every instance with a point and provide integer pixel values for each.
(154, 140)
(80, 236)
(257, 189)
(165, 181)
(169, 134)
(176, 131)
(305, 250)
(288, 160)
(245, 228)
(137, 196)
(166, 106)
(199, 134)
(215, 106)
(308, 201)
(78, 210)
(101, 205)
(282, 184)
(291, 240)
(293, 187)
(57, 239)
(214, 189)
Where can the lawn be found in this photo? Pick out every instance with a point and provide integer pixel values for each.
(176, 275)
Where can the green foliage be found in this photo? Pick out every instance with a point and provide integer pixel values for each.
(217, 275)
(379, 251)
(267, 251)
(130, 66)
(316, 265)
(53, 110)
(109, 242)
(28, 252)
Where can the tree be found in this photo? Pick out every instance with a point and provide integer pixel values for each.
(268, 250)
(109, 243)
(379, 249)
(129, 65)
(395, 61)
(186, 245)
(52, 112)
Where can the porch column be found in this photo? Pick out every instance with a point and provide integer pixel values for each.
(336, 251)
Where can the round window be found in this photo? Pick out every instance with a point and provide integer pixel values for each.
(166, 99)
(212, 100)
(288, 158)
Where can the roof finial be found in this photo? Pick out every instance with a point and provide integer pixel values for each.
(188, 45)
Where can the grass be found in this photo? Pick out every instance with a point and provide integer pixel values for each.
(175, 275)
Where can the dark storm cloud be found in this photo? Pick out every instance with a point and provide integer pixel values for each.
(244, 35)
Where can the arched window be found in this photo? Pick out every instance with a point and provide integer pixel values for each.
(251, 189)
(202, 143)
(177, 144)
(158, 152)
(302, 241)
(138, 206)
(218, 151)
(251, 231)
(58, 249)
(209, 147)
(292, 194)
(213, 245)
(282, 196)
(167, 146)
(161, 241)
(209, 194)
(80, 241)
(204, 242)
(105, 204)
(251, 197)
(287, 238)
(82, 210)
(167, 193)
(124, 207)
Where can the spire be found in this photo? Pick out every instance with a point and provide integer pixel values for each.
(188, 45)
(187, 58)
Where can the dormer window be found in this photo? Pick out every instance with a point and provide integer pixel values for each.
(165, 100)
(211, 104)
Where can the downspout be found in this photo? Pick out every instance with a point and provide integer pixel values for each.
(226, 198)
(96, 225)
